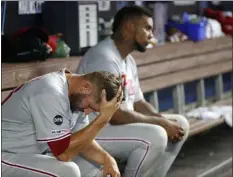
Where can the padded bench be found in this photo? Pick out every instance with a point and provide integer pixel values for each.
(171, 65)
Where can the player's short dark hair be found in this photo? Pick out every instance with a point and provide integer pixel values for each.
(128, 12)
(104, 80)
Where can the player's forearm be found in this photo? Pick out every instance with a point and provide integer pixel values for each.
(81, 139)
(126, 117)
(94, 152)
(146, 108)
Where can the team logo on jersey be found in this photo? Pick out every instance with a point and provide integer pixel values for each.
(58, 120)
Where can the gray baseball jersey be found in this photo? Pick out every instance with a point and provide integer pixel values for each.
(37, 113)
(106, 57)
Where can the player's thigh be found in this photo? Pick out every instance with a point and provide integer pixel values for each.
(120, 141)
(36, 165)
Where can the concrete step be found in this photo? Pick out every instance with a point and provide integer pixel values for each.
(223, 169)
(205, 155)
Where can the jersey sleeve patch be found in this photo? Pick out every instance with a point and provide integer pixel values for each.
(58, 119)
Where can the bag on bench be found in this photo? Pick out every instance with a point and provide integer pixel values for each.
(26, 45)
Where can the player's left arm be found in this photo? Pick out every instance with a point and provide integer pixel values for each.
(94, 152)
(143, 107)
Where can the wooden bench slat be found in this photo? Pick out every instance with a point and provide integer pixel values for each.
(164, 81)
(204, 125)
(9, 67)
(175, 50)
(14, 77)
(155, 69)
(199, 123)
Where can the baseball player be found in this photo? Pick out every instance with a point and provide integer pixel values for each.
(147, 142)
(45, 131)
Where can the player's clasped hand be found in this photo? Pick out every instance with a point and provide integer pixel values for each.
(174, 131)
(108, 108)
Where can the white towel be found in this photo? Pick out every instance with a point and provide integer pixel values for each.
(211, 113)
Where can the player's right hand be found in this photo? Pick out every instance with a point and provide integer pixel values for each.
(110, 167)
(174, 130)
(108, 108)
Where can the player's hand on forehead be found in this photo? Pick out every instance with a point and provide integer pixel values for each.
(119, 96)
(117, 99)
(108, 108)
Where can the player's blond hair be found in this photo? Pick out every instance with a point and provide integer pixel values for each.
(104, 80)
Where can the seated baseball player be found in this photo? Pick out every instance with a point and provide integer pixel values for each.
(44, 129)
(148, 142)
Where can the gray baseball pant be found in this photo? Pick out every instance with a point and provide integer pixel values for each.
(143, 147)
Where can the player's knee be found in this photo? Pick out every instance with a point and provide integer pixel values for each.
(158, 137)
(70, 169)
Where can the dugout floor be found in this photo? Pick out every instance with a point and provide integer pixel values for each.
(205, 155)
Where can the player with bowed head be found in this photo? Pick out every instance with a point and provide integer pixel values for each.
(45, 131)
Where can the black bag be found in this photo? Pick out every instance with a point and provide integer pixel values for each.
(30, 45)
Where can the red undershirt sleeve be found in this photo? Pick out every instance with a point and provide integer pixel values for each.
(59, 146)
